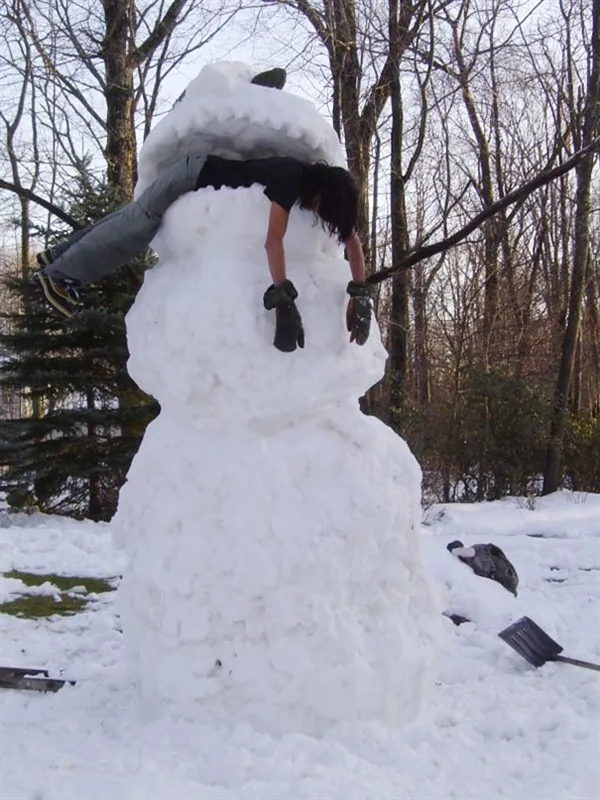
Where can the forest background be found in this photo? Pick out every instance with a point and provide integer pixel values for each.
(473, 129)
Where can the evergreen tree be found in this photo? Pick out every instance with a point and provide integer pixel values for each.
(84, 417)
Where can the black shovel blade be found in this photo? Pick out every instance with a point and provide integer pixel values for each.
(530, 642)
(7, 672)
(35, 680)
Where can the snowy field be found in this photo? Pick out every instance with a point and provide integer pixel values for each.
(495, 727)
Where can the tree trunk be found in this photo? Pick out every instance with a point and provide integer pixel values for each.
(591, 120)
(398, 338)
(357, 135)
(399, 310)
(486, 192)
(95, 509)
(120, 149)
(422, 386)
(336, 27)
(25, 254)
(594, 326)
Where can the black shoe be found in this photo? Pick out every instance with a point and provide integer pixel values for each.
(62, 295)
(44, 258)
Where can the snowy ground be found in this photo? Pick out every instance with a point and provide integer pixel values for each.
(496, 728)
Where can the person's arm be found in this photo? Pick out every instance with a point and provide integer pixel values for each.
(359, 309)
(278, 222)
(356, 258)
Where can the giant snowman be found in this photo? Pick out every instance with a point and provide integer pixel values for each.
(271, 529)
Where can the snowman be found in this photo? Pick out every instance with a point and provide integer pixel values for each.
(274, 572)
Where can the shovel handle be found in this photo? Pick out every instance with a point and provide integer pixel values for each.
(577, 662)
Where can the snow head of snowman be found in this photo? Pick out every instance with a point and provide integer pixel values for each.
(222, 112)
(199, 337)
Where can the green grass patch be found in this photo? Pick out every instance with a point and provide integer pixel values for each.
(40, 606)
(65, 583)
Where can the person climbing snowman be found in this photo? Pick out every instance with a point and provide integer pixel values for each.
(329, 192)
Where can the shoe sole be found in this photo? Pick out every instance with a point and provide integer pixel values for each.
(44, 259)
(51, 297)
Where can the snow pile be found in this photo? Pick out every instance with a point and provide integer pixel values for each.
(271, 529)
(484, 602)
(497, 728)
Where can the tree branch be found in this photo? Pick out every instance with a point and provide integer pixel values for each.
(21, 191)
(163, 28)
(52, 68)
(515, 196)
(311, 14)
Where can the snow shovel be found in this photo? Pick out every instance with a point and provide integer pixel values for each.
(35, 680)
(534, 644)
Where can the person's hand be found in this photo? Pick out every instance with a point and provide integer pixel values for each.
(359, 311)
(289, 332)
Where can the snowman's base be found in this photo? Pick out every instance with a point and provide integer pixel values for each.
(275, 576)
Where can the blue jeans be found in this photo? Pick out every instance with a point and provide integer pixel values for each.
(103, 248)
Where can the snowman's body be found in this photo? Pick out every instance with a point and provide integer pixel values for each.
(271, 528)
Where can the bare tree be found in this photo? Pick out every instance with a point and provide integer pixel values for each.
(95, 71)
(360, 75)
(101, 67)
(406, 23)
(593, 321)
(584, 129)
(22, 105)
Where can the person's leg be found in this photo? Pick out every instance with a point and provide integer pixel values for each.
(105, 247)
(126, 233)
(179, 179)
(46, 257)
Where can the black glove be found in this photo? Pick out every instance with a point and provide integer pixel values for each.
(289, 332)
(359, 311)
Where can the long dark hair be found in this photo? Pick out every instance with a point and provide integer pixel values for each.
(337, 193)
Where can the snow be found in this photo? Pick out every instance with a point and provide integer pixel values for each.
(496, 727)
(466, 552)
(271, 529)
(278, 625)
(223, 114)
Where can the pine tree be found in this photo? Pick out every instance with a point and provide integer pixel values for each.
(71, 449)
